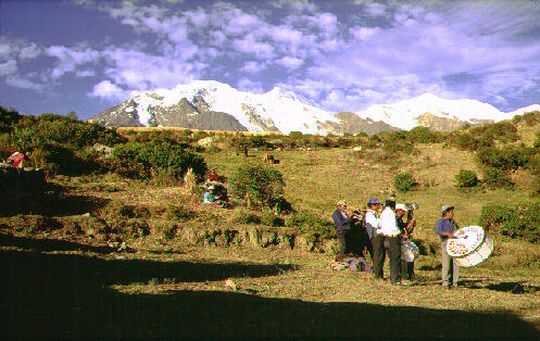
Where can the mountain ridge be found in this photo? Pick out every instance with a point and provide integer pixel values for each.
(209, 104)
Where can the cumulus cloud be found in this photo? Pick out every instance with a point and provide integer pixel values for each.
(290, 63)
(246, 84)
(342, 57)
(68, 59)
(8, 68)
(109, 91)
(253, 67)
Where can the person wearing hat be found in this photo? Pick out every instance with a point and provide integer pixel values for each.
(406, 227)
(342, 223)
(445, 229)
(209, 197)
(371, 223)
(390, 233)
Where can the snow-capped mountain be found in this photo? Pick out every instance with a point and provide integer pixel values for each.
(276, 110)
(217, 106)
(438, 113)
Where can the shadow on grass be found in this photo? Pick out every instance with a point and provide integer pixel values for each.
(47, 245)
(517, 288)
(52, 205)
(68, 296)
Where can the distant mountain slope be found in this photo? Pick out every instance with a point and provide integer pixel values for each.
(216, 106)
(437, 113)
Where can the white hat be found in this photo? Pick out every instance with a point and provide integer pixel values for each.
(401, 207)
(211, 187)
(341, 202)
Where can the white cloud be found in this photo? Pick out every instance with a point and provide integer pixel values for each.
(68, 59)
(8, 68)
(23, 83)
(29, 52)
(246, 84)
(109, 91)
(85, 73)
(253, 67)
(290, 63)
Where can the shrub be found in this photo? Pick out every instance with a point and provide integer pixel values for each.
(466, 179)
(7, 119)
(257, 185)
(508, 159)
(35, 132)
(464, 140)
(404, 182)
(396, 143)
(243, 216)
(142, 161)
(496, 178)
(311, 224)
(269, 219)
(423, 135)
(520, 221)
(179, 212)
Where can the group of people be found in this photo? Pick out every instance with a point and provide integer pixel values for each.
(381, 230)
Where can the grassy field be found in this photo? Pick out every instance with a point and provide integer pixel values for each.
(74, 282)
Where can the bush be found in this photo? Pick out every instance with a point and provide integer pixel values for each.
(466, 179)
(521, 221)
(142, 161)
(269, 219)
(496, 178)
(423, 135)
(7, 119)
(243, 216)
(510, 158)
(311, 224)
(405, 182)
(35, 132)
(257, 185)
(179, 212)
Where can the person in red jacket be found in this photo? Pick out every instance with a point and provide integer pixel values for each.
(16, 159)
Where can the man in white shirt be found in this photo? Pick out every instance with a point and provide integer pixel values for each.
(371, 223)
(388, 231)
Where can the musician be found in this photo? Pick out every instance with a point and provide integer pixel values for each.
(445, 229)
(407, 228)
(342, 223)
(389, 232)
(371, 222)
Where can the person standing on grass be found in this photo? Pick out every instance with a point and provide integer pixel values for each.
(401, 211)
(445, 229)
(371, 222)
(389, 232)
(407, 268)
(342, 223)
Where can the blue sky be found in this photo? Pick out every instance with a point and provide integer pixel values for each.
(87, 55)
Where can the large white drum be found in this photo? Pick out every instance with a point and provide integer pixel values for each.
(409, 251)
(471, 247)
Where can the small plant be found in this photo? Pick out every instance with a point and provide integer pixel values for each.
(179, 212)
(496, 178)
(466, 179)
(405, 182)
(244, 216)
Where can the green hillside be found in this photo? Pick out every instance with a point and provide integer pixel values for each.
(117, 246)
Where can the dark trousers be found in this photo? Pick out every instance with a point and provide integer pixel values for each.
(407, 270)
(342, 236)
(394, 253)
(365, 244)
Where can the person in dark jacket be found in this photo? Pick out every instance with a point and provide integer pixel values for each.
(342, 223)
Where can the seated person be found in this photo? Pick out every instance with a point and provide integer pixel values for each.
(16, 160)
(210, 198)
